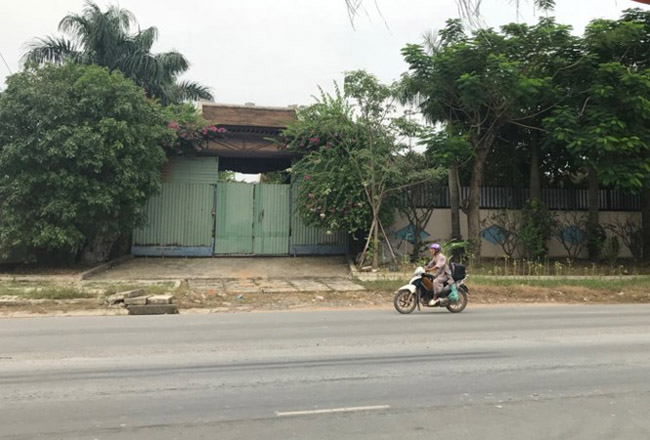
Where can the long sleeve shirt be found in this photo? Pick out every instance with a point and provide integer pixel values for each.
(439, 266)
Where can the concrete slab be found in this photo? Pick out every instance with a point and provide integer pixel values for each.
(306, 285)
(160, 299)
(241, 286)
(136, 301)
(227, 268)
(210, 286)
(276, 286)
(342, 285)
(153, 309)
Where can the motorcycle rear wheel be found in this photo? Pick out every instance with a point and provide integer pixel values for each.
(405, 301)
(459, 305)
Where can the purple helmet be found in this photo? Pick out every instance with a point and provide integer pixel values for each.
(436, 246)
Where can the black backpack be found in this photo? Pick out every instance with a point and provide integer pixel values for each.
(458, 272)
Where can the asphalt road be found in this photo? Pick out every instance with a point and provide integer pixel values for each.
(567, 372)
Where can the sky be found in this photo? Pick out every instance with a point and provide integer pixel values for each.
(277, 53)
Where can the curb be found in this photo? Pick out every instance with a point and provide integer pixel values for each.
(376, 276)
(103, 267)
(379, 276)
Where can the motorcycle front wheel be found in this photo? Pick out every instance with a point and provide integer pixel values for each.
(405, 301)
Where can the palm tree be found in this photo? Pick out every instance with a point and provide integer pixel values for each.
(105, 39)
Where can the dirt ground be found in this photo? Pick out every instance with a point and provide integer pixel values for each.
(197, 301)
(231, 267)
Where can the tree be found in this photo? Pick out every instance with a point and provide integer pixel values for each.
(415, 201)
(606, 125)
(79, 155)
(104, 38)
(350, 142)
(478, 85)
(450, 150)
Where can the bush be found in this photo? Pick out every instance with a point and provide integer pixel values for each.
(537, 227)
(79, 155)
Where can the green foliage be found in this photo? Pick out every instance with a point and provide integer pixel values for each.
(79, 155)
(104, 38)
(480, 86)
(537, 227)
(191, 132)
(606, 122)
(611, 249)
(277, 177)
(596, 237)
(575, 240)
(446, 148)
(509, 222)
(226, 176)
(417, 176)
(347, 177)
(629, 233)
(42, 291)
(329, 193)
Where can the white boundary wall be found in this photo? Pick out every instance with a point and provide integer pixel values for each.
(439, 228)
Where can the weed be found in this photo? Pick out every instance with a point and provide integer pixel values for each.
(42, 291)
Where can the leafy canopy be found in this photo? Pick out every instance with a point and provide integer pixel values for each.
(79, 155)
(347, 178)
(607, 123)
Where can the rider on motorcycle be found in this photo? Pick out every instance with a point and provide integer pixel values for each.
(441, 271)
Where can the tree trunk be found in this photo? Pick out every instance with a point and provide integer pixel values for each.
(97, 249)
(454, 202)
(535, 178)
(593, 222)
(375, 243)
(474, 200)
(645, 222)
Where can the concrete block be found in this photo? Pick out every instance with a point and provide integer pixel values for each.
(132, 293)
(115, 298)
(153, 309)
(160, 299)
(137, 301)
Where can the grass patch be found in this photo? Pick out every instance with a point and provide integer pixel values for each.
(383, 285)
(149, 289)
(42, 291)
(590, 283)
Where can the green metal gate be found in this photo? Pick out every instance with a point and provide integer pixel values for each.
(252, 219)
(234, 219)
(272, 215)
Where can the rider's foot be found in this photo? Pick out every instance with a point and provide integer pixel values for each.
(434, 302)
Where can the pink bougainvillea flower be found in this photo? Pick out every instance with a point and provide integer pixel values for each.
(307, 177)
(213, 128)
(204, 131)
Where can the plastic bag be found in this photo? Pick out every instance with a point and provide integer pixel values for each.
(453, 295)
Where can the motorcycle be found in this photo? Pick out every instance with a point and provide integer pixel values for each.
(419, 291)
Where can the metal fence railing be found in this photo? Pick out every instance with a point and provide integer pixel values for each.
(559, 199)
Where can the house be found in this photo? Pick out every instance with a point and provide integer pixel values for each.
(195, 215)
